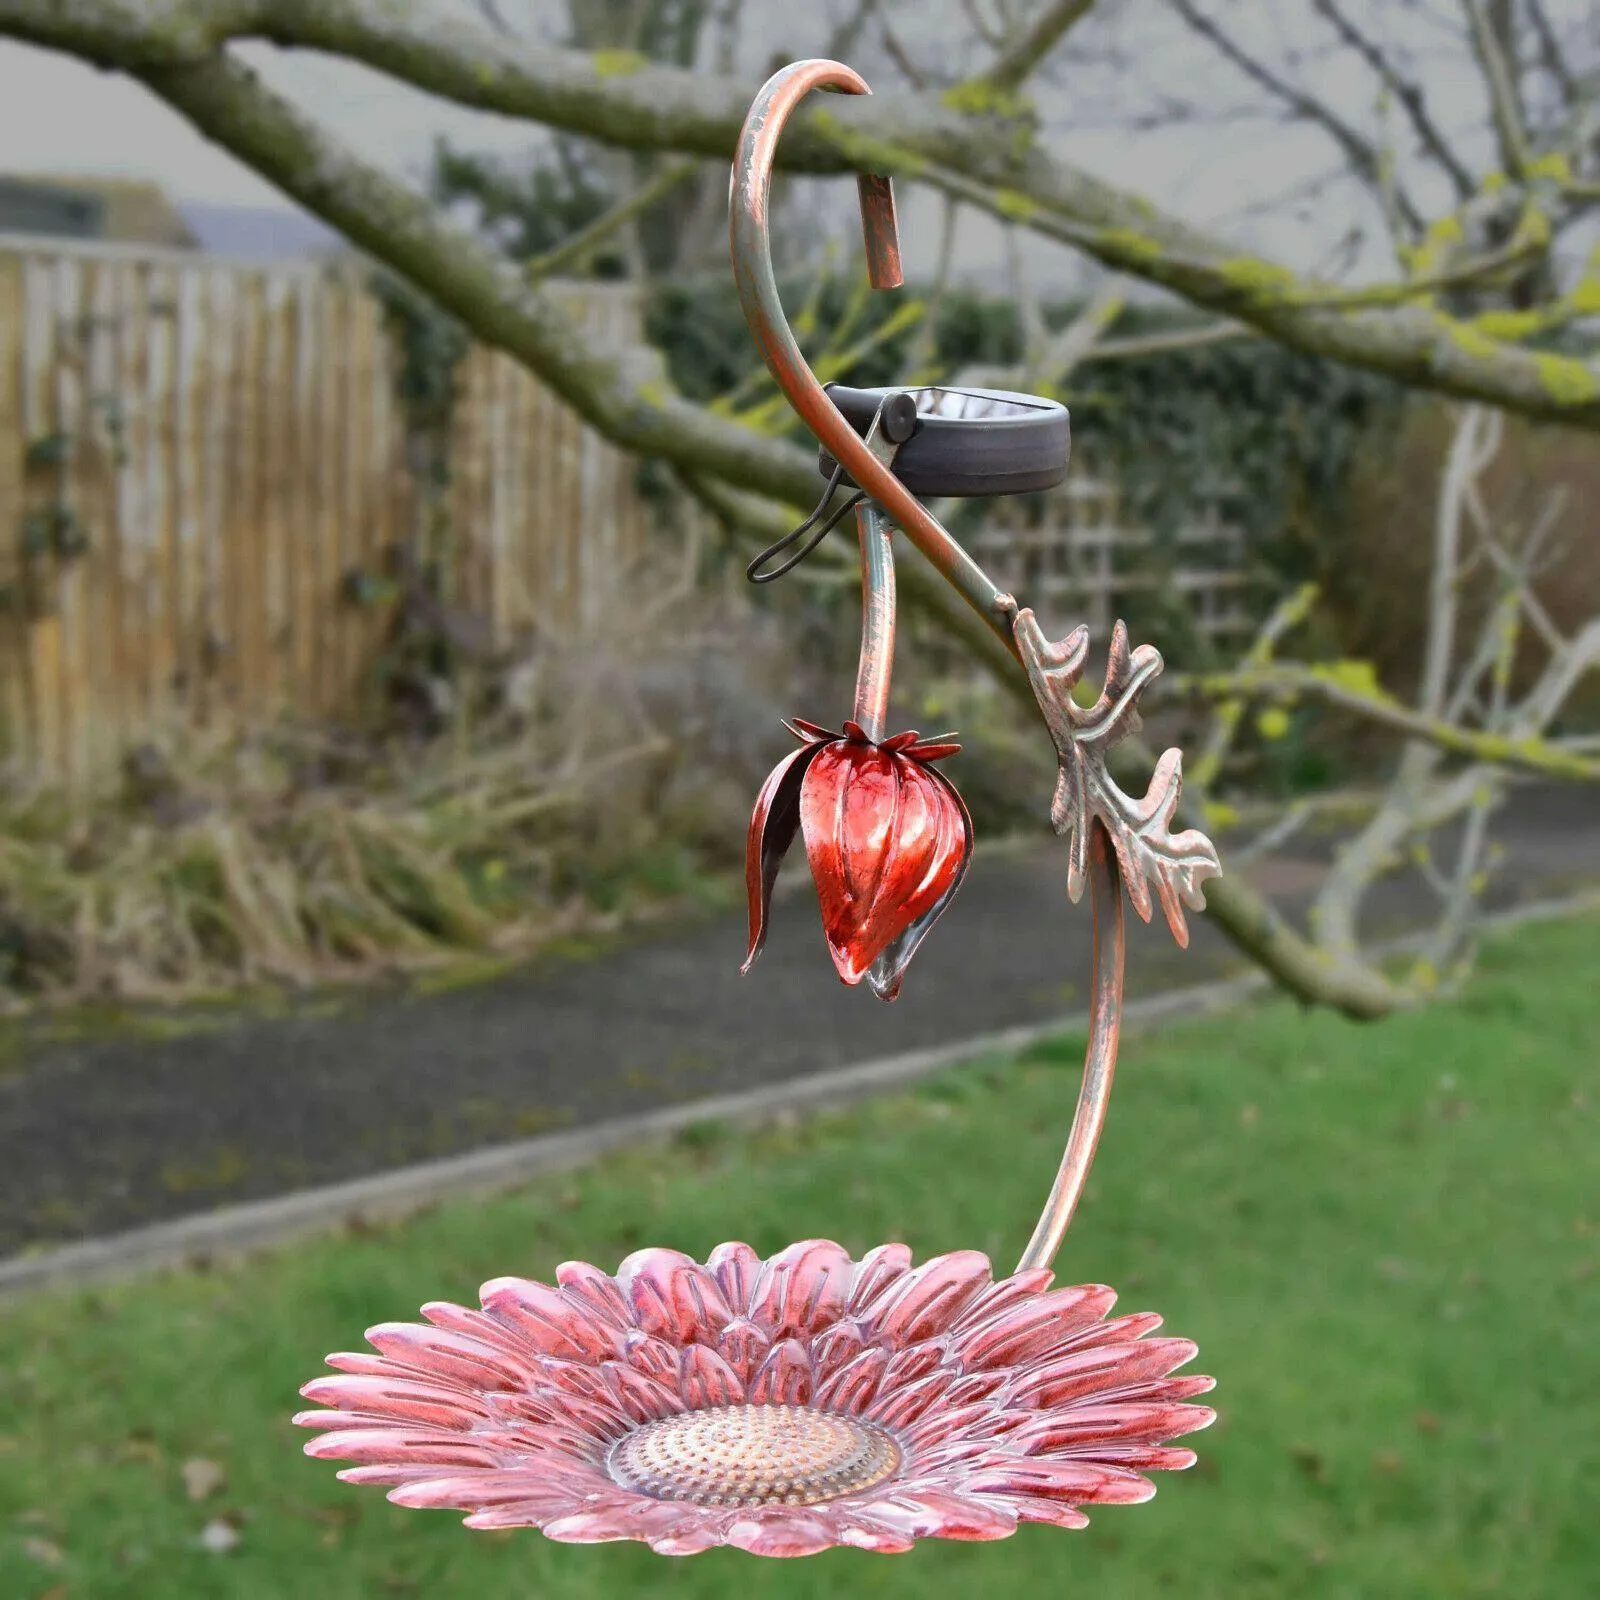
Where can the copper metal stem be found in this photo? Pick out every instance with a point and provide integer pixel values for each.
(1100, 1061)
(890, 504)
(877, 621)
(758, 294)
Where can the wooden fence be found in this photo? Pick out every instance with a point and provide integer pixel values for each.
(195, 457)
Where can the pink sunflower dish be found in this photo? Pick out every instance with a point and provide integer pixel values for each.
(789, 1405)
(780, 1406)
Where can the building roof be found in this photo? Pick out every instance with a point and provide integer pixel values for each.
(123, 210)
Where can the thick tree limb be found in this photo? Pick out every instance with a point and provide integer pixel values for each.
(627, 398)
(985, 160)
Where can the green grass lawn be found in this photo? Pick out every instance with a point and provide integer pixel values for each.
(1386, 1240)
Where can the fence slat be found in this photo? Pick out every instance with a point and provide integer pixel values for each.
(15, 738)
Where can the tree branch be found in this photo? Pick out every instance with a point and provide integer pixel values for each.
(1150, 344)
(629, 102)
(1362, 154)
(1290, 681)
(1550, 52)
(572, 251)
(1504, 104)
(1407, 93)
(1019, 60)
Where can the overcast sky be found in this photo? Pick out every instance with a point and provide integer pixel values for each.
(59, 116)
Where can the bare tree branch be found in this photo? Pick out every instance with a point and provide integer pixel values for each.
(909, 70)
(981, 26)
(1151, 344)
(1407, 92)
(1489, 45)
(1419, 800)
(1291, 681)
(1551, 55)
(572, 251)
(843, 40)
(1020, 59)
(1364, 156)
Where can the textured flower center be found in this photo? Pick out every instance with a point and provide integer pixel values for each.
(754, 1456)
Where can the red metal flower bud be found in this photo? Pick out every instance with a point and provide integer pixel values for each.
(887, 836)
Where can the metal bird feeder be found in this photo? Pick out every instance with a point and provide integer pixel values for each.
(807, 1400)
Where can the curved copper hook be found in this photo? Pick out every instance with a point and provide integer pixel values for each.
(758, 294)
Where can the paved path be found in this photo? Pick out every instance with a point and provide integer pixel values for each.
(113, 1133)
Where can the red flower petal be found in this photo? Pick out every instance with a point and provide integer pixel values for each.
(781, 1531)
(547, 1320)
(773, 824)
(456, 1357)
(877, 1268)
(833, 1348)
(735, 1266)
(593, 1290)
(936, 1511)
(743, 1345)
(852, 1387)
(785, 1378)
(1081, 1482)
(925, 1301)
(1036, 1327)
(900, 1406)
(654, 1357)
(406, 1400)
(672, 1294)
(955, 823)
(803, 1288)
(707, 1380)
(1084, 1430)
(642, 1398)
(557, 1483)
(437, 1446)
(1060, 1380)
(1056, 1512)
(1019, 1289)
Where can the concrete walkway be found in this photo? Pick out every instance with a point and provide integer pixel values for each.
(121, 1132)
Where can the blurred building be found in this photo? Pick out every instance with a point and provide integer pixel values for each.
(135, 212)
(116, 210)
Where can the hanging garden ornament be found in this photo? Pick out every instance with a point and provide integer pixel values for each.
(786, 1405)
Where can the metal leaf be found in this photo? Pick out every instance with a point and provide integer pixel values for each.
(1140, 830)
